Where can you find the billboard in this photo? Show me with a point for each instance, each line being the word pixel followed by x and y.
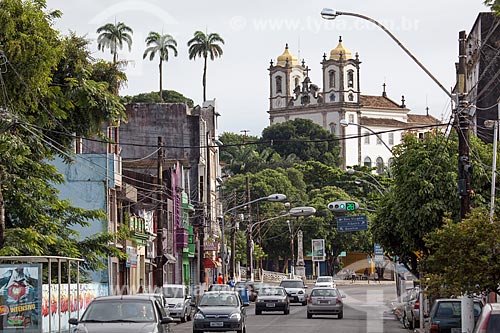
pixel 20 298
pixel 318 250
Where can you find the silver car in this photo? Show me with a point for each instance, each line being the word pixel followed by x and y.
pixel 325 301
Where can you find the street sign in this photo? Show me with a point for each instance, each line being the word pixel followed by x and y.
pixel 378 252
pixel 352 223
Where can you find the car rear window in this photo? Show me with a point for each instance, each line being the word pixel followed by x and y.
pixel 324 293
pixel 292 284
pixel 494 324
pixel 324 279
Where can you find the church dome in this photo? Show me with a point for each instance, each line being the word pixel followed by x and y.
pixel 336 52
pixel 292 60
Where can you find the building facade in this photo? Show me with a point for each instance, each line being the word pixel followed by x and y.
pixel 367 126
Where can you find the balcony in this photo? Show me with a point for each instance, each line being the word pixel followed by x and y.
pixel 181 238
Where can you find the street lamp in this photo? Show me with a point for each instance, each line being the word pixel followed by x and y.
pixel 359 181
pixel 345 123
pixel 351 171
pixel 297 212
pixel 277 197
pixel 330 14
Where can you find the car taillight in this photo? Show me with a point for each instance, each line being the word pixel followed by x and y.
pixel 434 328
pixel 484 325
pixel 416 306
pixel 309 299
pixel 339 299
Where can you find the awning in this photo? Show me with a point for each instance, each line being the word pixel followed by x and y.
pixel 167 258
pixel 209 263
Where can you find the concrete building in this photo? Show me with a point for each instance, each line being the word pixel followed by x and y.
pixel 367 126
pixel 483 72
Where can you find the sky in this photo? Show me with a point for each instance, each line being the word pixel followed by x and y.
pixel 255 32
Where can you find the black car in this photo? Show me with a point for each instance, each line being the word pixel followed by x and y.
pixel 446 315
pixel 220 311
pixel 272 299
pixel 126 313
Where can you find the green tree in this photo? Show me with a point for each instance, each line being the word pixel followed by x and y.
pixel 43 87
pixel 113 36
pixel 160 44
pixel 304 139
pixel 494 5
pixel 168 96
pixel 464 256
pixel 205 45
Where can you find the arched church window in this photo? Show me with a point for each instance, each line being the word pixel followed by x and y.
pixel 332 97
pixel 350 78
pixel 368 162
pixel 380 165
pixel 331 78
pixel 333 128
pixel 296 81
pixel 351 118
pixel 278 85
pixel 350 97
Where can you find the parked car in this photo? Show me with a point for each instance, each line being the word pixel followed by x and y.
pixel 179 301
pixel 489 320
pixel 126 313
pixel 220 311
pixel 271 298
pixel 411 309
pixel 325 301
pixel 296 290
pixel 445 315
pixel 325 281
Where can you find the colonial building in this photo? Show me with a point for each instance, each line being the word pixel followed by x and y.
pixel 367 126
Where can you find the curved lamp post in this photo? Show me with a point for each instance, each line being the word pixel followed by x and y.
pixel 351 171
pixel 359 181
pixel 330 14
pixel 277 197
pixel 297 212
pixel 345 123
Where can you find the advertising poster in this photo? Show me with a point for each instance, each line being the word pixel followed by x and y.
pixel 20 298
pixel 318 249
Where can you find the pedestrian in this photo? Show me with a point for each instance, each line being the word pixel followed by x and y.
pixel 220 279
pixel 231 282
pixel 353 276
pixel 366 274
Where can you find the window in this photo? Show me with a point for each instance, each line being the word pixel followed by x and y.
pixel 350 97
pixel 332 97
pixel 331 78
pixel 278 85
pixel 391 138
pixel 350 78
pixel 351 118
pixel 367 137
pixel 380 165
pixel 379 139
pixel 333 128
pixel 368 162
pixel 421 136
pixel 297 81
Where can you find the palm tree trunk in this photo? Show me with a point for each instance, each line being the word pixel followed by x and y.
pixel 161 84
pixel 2 219
pixel 205 80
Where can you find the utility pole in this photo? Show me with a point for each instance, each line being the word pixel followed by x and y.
pixel 249 233
pixel 233 241
pixel 159 218
pixel 462 122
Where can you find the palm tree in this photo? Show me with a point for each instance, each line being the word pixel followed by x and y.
pixel 203 45
pixel 112 36
pixel 161 44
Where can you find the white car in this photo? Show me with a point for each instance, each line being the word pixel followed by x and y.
pixel 325 281
pixel 296 290
pixel 179 301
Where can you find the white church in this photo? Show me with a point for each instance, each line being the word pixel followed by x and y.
pixel 369 125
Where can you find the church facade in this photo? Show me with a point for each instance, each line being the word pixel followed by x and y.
pixel 367 126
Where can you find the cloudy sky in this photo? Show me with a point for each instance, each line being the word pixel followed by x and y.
pixel 256 32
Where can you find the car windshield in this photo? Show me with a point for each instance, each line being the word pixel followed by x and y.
pixel 494 323
pixel 119 311
pixel 324 293
pixel 324 279
pixel 173 292
pixel 219 300
pixel 292 284
pixel 272 292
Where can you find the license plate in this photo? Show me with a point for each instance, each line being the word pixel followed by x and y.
pixel 324 302
pixel 270 305
pixel 216 324
pixel 456 330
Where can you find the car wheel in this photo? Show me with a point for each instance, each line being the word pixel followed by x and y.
pixel 304 303
pixel 309 315
pixel 258 312
pixel 244 330
pixel 341 314
pixel 195 331
pixel 287 311
pixel 184 317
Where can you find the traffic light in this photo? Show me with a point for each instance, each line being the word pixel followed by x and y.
pixel 343 206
